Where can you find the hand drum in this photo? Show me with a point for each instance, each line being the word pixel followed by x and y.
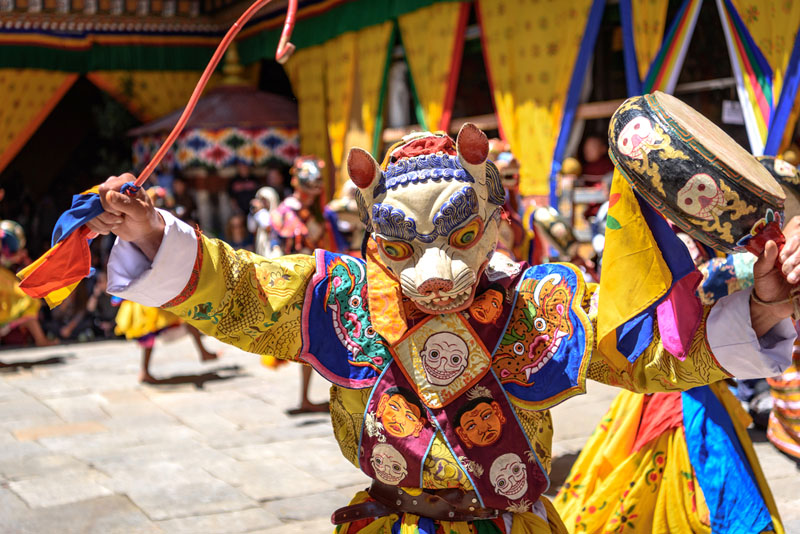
pixel 694 174
pixel 788 177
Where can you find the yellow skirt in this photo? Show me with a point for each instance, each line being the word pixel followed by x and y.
pixel 135 321
pixel 15 305
pixel 611 488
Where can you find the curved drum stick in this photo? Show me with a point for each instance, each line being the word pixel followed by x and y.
pixel 285 49
pixel 282 54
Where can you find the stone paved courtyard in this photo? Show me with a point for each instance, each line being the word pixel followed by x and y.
pixel 85 448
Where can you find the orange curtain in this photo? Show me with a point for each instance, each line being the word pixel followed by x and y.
pixel 306 71
pixel 149 94
pixel 338 88
pixel 773 25
pixel 433 38
pixel 372 47
pixel 28 96
pixel 340 81
pixel 649 19
pixel 530 77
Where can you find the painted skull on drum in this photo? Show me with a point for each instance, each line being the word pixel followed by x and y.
pixel 389 465
pixel 636 138
pixel 508 475
pixel 434 213
pixel 784 168
pixel 444 357
pixel 701 197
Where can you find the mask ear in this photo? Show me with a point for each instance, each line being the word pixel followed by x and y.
pixel 472 144
pixel 362 168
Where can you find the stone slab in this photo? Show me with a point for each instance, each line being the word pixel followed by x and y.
pixel 39 465
pixel 78 408
pixel 65 429
pixel 307 507
pixel 267 480
pixel 60 488
pixel 113 514
pixel 230 522
pixel 167 490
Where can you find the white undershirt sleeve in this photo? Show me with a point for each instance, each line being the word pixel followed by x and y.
pixel 132 276
pixel 735 345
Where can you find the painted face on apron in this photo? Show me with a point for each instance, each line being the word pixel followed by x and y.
pixel 400 413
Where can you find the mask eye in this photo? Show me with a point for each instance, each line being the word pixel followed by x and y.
pixel 468 235
pixel 539 324
pixel 396 250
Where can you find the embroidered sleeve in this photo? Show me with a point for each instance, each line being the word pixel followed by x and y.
pixel 658 370
pixel 245 300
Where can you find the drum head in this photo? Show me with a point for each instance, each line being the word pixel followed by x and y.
pixel 720 144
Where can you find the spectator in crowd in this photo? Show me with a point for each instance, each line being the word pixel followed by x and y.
pixel 100 309
pixel 301 228
pixel 185 206
pixel 18 311
pixel 236 233
pixel 276 179
pixel 596 162
pixel 242 188
pixel 259 222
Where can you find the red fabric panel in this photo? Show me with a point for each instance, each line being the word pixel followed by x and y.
pixel 661 412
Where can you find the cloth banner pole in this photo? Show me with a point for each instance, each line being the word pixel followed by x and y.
pixel 573 95
pixel 632 81
pixel 753 77
pixel 781 117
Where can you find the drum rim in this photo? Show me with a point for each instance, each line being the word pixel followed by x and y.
pixel 653 103
pixel 783 181
pixel 650 105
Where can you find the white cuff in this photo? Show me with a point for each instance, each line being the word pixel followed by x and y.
pixel 735 345
pixel 132 276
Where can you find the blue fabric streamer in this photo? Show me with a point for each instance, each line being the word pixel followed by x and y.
pixel 85 207
pixel 333 219
pixel 129 188
pixel 635 336
pixel 632 81
pixel 730 489
pixel 780 117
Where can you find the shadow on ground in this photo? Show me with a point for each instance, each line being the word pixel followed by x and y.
pixel 559 471
pixel 200 380
pixel 13 367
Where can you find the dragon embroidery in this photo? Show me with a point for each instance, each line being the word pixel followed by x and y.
pixel 536 330
pixel 347 299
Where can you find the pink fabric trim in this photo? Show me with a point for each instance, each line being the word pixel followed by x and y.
pixel 680 315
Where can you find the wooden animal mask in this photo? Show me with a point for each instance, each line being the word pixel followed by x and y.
pixel 434 212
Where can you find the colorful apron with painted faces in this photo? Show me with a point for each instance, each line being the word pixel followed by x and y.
pixel 440 377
